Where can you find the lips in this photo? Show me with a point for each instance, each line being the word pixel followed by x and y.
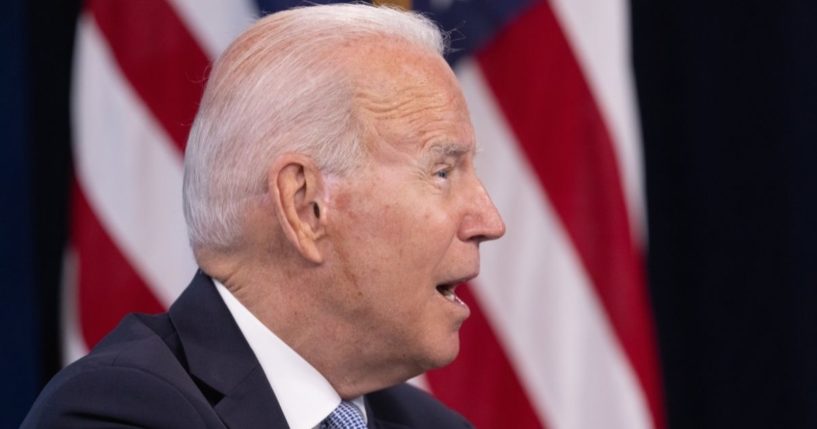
pixel 448 289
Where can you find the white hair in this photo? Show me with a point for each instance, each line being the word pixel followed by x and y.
pixel 278 89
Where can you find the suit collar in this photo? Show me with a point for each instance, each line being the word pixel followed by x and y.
pixel 377 423
pixel 218 356
pixel 383 424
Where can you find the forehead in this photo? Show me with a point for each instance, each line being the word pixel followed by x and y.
pixel 410 99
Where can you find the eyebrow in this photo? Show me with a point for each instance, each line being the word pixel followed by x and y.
pixel 448 149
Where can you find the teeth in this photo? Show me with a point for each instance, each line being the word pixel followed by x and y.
pixel 448 293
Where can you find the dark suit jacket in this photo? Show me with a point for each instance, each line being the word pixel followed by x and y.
pixel 192 368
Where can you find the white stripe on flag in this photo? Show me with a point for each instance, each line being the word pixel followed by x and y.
pixel 73 346
pixel 215 23
pixel 538 297
pixel 128 169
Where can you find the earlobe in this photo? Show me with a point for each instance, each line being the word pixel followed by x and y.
pixel 296 188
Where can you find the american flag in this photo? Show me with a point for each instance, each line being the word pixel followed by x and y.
pixel 561 333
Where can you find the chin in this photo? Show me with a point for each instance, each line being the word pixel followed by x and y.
pixel 442 355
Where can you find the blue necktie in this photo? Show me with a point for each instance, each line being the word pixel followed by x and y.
pixel 345 416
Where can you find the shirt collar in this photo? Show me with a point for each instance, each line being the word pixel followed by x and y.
pixel 305 396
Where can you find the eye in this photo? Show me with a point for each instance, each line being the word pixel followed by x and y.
pixel 443 173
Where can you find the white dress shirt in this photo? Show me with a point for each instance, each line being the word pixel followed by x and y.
pixel 305 396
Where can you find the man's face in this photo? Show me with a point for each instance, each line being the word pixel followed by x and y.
pixel 406 224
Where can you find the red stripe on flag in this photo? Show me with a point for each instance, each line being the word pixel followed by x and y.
pixel 162 61
pixel 542 92
pixel 109 288
pixel 481 383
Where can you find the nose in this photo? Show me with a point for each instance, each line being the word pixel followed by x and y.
pixel 482 221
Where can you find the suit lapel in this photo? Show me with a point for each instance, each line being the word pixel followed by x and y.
pixel 382 424
pixel 218 356
pixel 375 422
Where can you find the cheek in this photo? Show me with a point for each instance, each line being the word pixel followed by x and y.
pixel 393 240
pixel 415 236
pixel 396 224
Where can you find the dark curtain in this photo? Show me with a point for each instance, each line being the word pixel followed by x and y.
pixel 728 98
pixel 19 316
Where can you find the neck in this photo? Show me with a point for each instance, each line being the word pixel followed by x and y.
pixel 292 302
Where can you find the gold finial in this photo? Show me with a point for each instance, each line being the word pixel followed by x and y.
pixel 405 4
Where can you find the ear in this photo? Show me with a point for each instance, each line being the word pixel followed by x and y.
pixel 296 188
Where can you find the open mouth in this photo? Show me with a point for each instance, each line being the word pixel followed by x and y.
pixel 447 291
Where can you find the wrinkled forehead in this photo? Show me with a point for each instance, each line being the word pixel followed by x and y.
pixel 406 96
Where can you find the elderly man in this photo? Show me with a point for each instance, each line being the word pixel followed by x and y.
pixel 333 208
